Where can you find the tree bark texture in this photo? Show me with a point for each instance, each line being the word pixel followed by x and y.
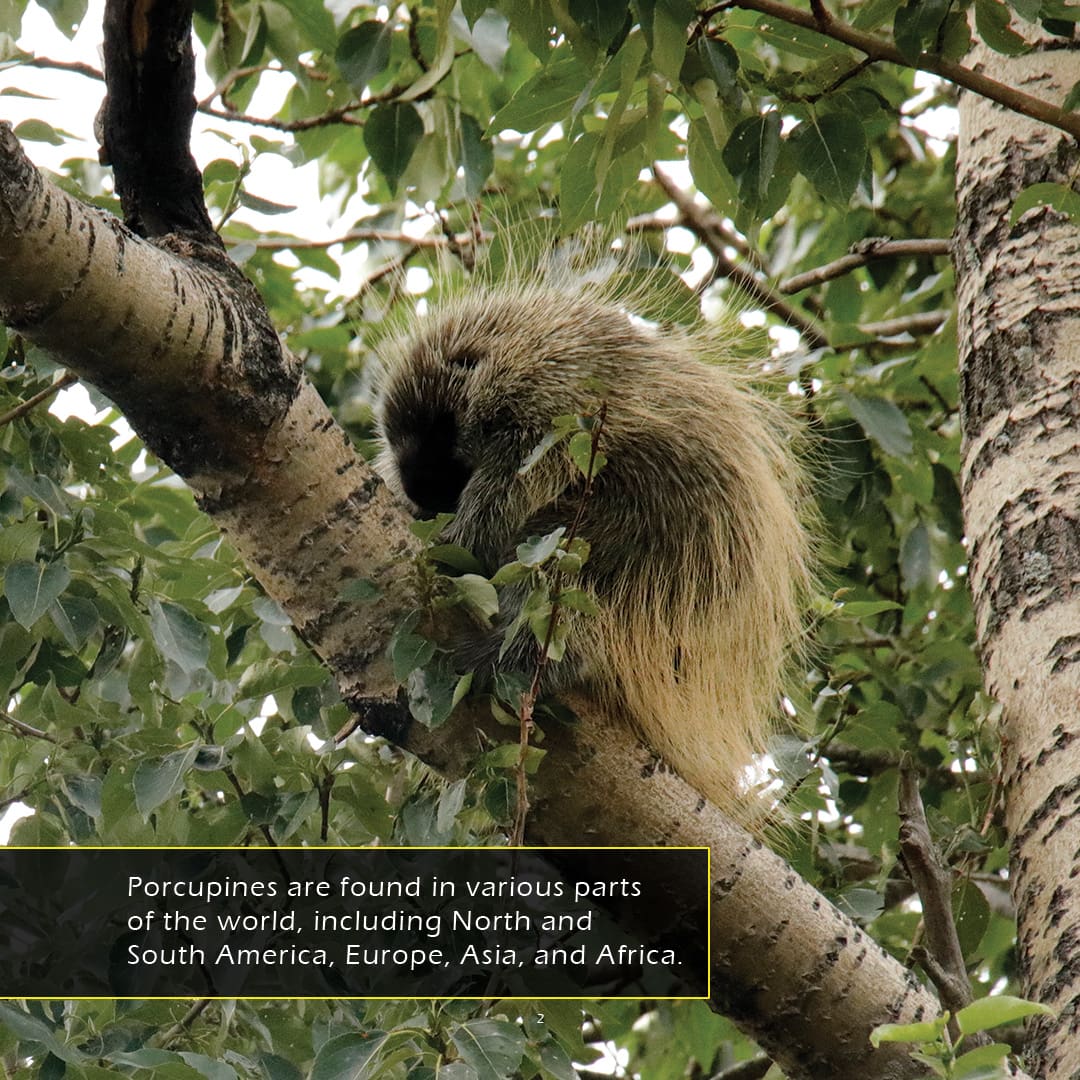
pixel 179 341
pixel 1019 320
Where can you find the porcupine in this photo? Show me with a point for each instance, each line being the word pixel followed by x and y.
pixel 700 560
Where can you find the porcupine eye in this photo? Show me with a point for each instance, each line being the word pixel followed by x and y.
pixel 432 469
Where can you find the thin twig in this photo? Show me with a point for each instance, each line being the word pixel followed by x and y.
pixel 355 236
pixel 231 79
pixel 302 123
pixel 31 403
pixel 942 959
pixel 17 797
pixel 395 265
pixel 920 322
pixel 162 1040
pixel 860 255
pixel 73 66
pixel 26 729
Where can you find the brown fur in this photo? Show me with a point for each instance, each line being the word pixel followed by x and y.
pixel 699 557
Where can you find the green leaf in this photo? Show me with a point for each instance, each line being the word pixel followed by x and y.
pixel 671 22
pixel 31 587
pixel 179 635
pixel 915 565
pixel 159 1062
pixel 861 609
pixel 882 421
pixel 314 19
pixel 510 573
pixel 39 131
pixel 76 618
pixel 359 590
pixel 577 205
pixel 477 594
pixel 1060 196
pixel 830 151
pixel 956 39
pixel 982 1063
pixel 429 528
pixel 538 549
pixel 274 674
pixel 752 157
pixel 581 453
pixel 348 1057
pixel 30 1029
pixel 364 52
pixel 392 134
pixel 85 793
pixel 578 600
pixel 11 15
pixel 707 167
pixel 221 171
pixel 924 1032
pixel 493 1048
pixel 992 23
pixel 264 206
pixel 67 15
pixel 556 1062
pixel 208 1067
pixel 548 96
pixel 20 542
pixel 536 612
pixel 603 19
pixel 155 782
pixel 473 10
pixel 456 557
pixel 999 1009
pixel 916 26
pixel 709 58
pixel 409 651
pixel 477 157
pixel 971 914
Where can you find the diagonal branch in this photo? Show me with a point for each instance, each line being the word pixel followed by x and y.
pixel 822 21
pixel 274 471
pixel 702 223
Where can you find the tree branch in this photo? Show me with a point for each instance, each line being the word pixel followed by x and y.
pixel 861 254
pixel 943 961
pixel 356 236
pixel 919 322
pixel 704 225
pixel 26 729
pixel 823 22
pixel 31 403
pixel 166 1037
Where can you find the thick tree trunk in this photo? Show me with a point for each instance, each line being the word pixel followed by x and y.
pixel 1019 315
pixel 175 338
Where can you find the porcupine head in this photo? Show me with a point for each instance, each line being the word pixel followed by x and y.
pixel 699 559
